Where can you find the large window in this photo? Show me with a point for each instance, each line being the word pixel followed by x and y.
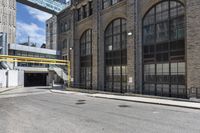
pixel 90 8
pixel 164 50
pixel 86 60
pixel 107 3
pixel 85 11
pixel 116 56
pixel 65 44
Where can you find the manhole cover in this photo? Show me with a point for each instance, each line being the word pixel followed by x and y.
pixel 124 106
pixel 80 103
pixel 81 100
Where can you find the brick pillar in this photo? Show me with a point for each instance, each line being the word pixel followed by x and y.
pixel 101 63
pixel 76 64
pixel 130 46
pixel 94 45
pixel 193 45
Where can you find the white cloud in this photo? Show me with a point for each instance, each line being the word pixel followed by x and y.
pixel 35 33
pixel 37 14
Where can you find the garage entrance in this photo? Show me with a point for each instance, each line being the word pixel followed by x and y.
pixel 35 79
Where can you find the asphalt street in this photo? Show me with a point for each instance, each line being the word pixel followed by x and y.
pixel 37 110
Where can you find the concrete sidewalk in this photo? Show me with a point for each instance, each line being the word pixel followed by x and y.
pixel 166 102
pixel 2 90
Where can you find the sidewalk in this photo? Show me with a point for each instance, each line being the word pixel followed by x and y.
pixel 141 99
pixel 2 90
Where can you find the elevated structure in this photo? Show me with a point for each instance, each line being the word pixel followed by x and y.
pixel 22 59
pixel 50 6
pixel 37 60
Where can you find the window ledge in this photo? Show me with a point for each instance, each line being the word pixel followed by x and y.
pixel 85 19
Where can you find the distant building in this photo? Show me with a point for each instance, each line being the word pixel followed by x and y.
pixel 65 32
pixel 8 19
pixel 51 33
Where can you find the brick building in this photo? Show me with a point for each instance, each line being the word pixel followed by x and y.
pixel 140 46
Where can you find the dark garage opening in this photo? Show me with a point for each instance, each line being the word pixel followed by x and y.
pixel 35 79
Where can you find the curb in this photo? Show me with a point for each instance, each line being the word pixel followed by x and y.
pixel 132 95
pixel 95 95
pixel 7 90
pixel 68 92
pixel 158 103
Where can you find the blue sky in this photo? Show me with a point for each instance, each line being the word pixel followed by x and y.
pixel 31 22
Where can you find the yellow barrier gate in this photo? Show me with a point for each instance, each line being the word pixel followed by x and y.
pixel 22 59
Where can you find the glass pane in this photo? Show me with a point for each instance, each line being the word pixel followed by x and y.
pixel 162 32
pixel 159 88
pixel 152 89
pixel 174 90
pixel 174 68
pixel 181 68
pixel 116 42
pixel 149 34
pixel 166 89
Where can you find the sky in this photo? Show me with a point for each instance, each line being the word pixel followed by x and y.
pixel 31 22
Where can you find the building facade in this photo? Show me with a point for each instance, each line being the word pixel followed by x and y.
pixel 8 19
pixel 36 74
pixel 51 33
pixel 139 46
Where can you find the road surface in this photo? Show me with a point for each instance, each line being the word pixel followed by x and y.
pixel 37 110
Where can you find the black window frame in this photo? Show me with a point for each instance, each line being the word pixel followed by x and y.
pixel 86 60
pixel 115 56
pixel 164 51
pixel 79 14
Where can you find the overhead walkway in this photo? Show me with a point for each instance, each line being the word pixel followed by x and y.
pixel 49 6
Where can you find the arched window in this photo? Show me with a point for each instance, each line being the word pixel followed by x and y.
pixel 116 56
pixel 86 60
pixel 164 50
pixel 65 44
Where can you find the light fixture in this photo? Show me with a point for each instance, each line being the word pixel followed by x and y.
pixel 130 33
